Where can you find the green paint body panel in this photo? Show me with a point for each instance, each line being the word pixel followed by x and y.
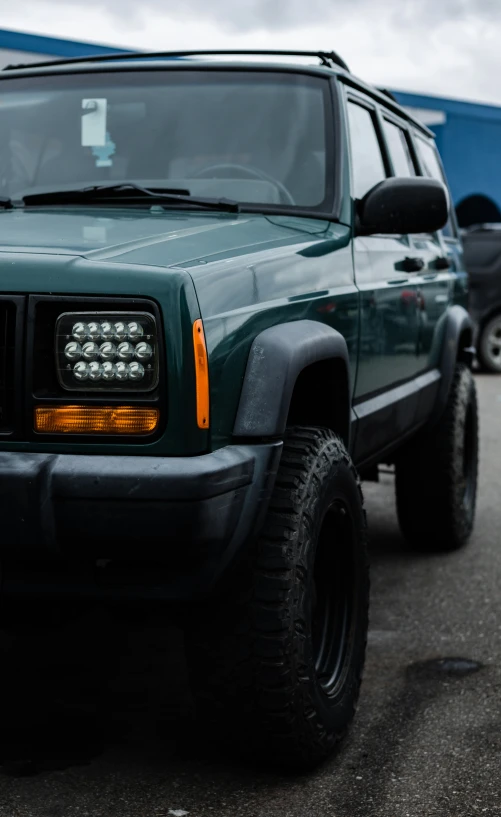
pixel 241 274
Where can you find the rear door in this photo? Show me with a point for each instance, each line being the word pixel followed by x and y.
pixel 426 251
pixel 442 253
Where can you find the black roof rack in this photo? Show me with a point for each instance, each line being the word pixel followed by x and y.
pixel 388 94
pixel 327 58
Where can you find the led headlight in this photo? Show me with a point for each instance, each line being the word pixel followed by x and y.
pixel 107 330
pixel 73 350
pixel 90 351
pixel 125 351
pixel 109 371
pixel 81 370
pixel 94 331
pixel 106 351
pixel 95 371
pixel 80 331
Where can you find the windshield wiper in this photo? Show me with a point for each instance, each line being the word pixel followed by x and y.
pixel 130 192
pixel 6 203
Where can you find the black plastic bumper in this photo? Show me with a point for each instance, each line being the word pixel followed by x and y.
pixel 192 515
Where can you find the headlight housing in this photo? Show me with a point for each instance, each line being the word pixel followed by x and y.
pixel 107 351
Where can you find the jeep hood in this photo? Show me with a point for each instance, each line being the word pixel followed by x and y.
pixel 162 238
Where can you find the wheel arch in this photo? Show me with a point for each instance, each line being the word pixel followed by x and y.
pixel 457 347
pixel 297 372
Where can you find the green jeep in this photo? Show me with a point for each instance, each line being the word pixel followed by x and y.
pixel 230 289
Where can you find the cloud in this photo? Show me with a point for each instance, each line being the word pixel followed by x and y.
pixel 248 15
pixel 446 47
pixel 280 15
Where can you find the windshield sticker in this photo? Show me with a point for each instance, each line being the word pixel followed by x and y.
pixel 94 122
pixel 103 154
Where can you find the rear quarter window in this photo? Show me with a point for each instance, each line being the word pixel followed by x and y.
pixel 431 167
pixel 399 150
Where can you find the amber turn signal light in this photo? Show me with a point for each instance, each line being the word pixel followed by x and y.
pixel 201 374
pixel 95 420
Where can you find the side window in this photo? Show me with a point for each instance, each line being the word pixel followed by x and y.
pixel 431 167
pixel 367 161
pixel 398 147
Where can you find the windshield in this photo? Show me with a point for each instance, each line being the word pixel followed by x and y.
pixel 255 137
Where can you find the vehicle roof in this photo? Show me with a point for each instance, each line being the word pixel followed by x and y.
pixel 177 60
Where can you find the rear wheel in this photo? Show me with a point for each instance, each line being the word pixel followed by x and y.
pixel 489 345
pixel 436 474
pixel 276 666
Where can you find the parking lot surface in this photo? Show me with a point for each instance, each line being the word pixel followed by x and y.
pixel 96 718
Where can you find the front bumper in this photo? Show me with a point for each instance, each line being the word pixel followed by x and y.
pixel 192 516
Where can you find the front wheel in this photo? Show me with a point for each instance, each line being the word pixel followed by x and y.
pixel 436 474
pixel 276 667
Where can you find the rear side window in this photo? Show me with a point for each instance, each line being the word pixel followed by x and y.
pixel 432 168
pixel 398 147
pixel 367 160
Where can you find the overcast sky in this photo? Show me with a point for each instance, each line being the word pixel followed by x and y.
pixel 449 47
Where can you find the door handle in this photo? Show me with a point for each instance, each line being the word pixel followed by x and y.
pixel 430 276
pixel 399 281
pixel 442 262
pixel 410 265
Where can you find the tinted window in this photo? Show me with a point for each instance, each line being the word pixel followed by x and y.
pixel 255 137
pixel 431 167
pixel 367 161
pixel 398 147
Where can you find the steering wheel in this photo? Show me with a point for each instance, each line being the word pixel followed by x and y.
pixel 252 172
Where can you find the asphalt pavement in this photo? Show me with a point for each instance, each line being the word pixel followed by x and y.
pixel 96 717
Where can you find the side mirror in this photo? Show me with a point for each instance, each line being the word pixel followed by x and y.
pixel 403 205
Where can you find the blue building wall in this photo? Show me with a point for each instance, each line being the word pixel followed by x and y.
pixel 469 140
pixel 18 41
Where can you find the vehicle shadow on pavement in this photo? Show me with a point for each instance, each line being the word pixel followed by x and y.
pixel 386 542
pixel 72 691
pixel 75 687
pixel 107 690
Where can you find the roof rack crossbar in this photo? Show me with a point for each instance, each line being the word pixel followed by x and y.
pixel 327 58
pixel 388 93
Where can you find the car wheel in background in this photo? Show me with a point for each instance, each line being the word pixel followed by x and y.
pixel 489 346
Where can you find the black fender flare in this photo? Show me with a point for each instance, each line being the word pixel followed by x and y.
pixel 458 324
pixel 277 356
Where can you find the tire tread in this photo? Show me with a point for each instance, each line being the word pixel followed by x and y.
pixel 269 665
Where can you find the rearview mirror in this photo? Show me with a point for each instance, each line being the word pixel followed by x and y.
pixel 403 205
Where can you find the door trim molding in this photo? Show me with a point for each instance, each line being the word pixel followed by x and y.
pixel 384 420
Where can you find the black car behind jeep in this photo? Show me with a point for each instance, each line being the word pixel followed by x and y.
pixel 482 253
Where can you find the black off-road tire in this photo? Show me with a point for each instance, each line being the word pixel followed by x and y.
pixel 276 666
pixel 436 474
